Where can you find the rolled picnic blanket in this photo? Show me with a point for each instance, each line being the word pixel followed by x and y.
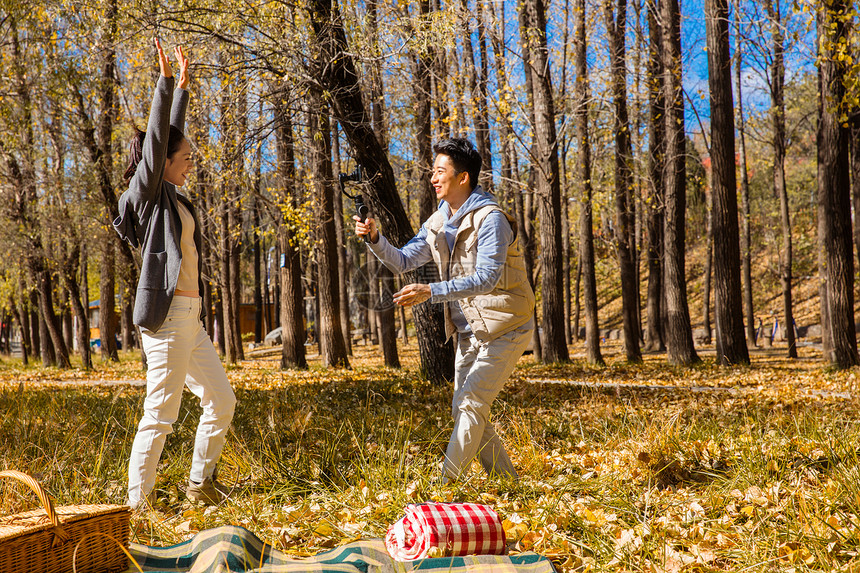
pixel 455 528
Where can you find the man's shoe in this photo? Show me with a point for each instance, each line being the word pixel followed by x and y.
pixel 210 492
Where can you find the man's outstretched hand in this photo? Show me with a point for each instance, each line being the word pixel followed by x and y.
pixel 412 294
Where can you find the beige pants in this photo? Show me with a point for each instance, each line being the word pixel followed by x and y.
pixel 482 368
pixel 180 354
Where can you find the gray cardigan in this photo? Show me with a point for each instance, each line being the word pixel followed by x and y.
pixel 149 212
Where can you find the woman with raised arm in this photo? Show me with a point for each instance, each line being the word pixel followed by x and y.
pixel 161 221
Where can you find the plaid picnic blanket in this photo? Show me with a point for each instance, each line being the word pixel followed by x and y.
pixel 455 528
pixel 232 548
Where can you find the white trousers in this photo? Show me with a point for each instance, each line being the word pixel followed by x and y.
pixel 482 368
pixel 180 354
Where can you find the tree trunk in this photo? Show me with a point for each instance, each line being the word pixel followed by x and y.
pixel 426 194
pixel 524 204
pixel 107 301
pixel 637 193
pixel 746 242
pixel 37 325
pixel 834 203
pixel 70 282
pixel 656 165
pixel 291 299
pixel 616 20
pixel 338 75
pixel 510 183
pixel 586 224
pixel 548 185
pixel 49 358
pixel 332 345
pixel 679 334
pixel 234 216
pixel 731 340
pixel 476 79
pixel 229 223
pixel 709 261
pixel 385 315
pixel 18 315
pixel 404 331
pixel 577 305
pixel 202 197
pixel 778 117
pixel 23 313
pixel 46 305
pixel 526 231
pixel 855 179
pixel 126 312
pixel 228 313
pixel 46 347
pixel 421 93
pixel 258 256
pixel 566 266
pixel 439 81
pixel 372 267
pixel 293 332
pixel 377 95
pixel 235 290
pixel 66 320
pixel 258 277
pixel 342 260
pixel 565 185
pixel 312 271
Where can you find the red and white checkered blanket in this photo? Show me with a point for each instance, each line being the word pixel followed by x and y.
pixel 455 528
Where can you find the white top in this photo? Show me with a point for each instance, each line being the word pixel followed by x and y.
pixel 188 270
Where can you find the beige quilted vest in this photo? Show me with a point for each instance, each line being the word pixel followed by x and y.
pixel 511 303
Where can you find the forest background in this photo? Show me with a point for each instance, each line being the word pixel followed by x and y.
pixel 595 121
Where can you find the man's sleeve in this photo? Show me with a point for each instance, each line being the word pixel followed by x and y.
pixel 413 254
pixel 494 237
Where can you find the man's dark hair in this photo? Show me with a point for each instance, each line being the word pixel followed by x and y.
pixel 463 156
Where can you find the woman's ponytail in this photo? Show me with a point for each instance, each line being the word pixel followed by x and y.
pixel 135 154
pixel 135 149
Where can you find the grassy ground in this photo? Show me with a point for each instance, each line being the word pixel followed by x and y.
pixel 633 468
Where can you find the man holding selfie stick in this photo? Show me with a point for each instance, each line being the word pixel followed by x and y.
pixel 489 303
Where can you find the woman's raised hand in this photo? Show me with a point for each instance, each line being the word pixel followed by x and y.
pixel 163 62
pixel 182 60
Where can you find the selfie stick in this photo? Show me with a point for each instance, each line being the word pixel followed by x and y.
pixel 360 206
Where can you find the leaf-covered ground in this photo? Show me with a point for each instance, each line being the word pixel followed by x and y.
pixel 623 468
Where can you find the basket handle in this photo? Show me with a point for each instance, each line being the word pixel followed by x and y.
pixel 60 535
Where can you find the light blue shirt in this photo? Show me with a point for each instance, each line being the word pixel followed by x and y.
pixel 494 237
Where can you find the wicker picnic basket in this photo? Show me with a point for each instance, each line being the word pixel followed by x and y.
pixel 81 538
